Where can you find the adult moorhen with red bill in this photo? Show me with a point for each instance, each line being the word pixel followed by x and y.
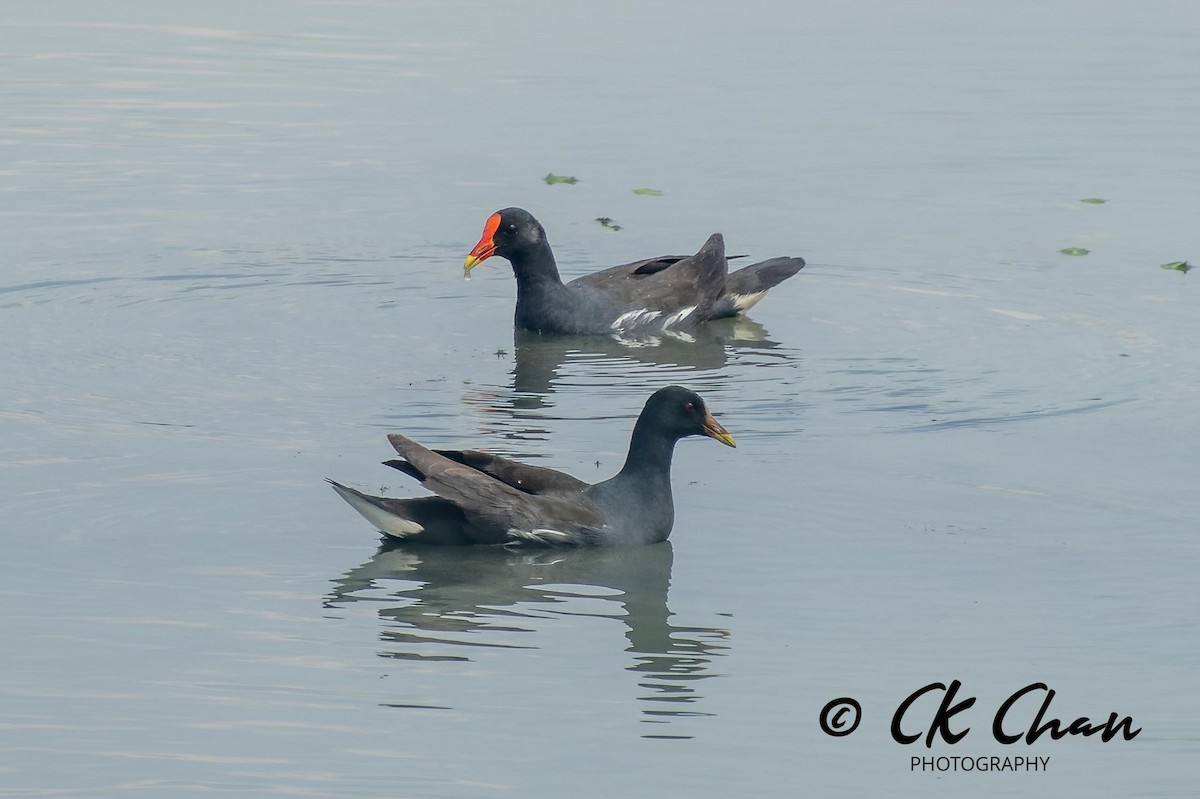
pixel 671 292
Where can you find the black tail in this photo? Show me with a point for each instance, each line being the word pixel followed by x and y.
pixel 747 285
pixel 762 275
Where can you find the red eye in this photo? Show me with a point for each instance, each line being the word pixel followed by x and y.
pixel 689 407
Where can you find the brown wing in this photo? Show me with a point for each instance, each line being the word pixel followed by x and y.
pixel 668 283
pixel 521 476
pixel 493 501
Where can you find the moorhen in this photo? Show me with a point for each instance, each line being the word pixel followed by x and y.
pixel 671 292
pixel 486 499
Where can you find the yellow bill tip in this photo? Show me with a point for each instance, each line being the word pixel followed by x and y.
pixel 713 429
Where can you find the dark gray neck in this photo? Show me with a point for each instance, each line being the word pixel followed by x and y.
pixel 540 290
pixel 637 500
pixel 650 452
pixel 534 267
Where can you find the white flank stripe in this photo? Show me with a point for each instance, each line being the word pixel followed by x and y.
pixel 678 317
pixel 637 318
pixel 542 535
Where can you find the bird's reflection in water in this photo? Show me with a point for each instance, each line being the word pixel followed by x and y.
pixel 440 603
pixel 544 364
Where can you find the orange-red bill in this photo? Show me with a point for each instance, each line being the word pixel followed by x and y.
pixel 486 248
pixel 713 429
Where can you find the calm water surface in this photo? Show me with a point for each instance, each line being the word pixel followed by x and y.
pixel 233 236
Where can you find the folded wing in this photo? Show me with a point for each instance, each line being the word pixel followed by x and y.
pixel 491 502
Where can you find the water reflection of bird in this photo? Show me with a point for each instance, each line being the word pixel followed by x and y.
pixel 543 364
pixel 455 604
pixel 538 359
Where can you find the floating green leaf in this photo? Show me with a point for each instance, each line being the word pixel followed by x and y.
pixel 648 192
pixel 1074 251
pixel 552 178
pixel 1093 200
pixel 1181 266
pixel 608 223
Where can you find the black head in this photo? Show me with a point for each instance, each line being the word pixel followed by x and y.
pixel 681 412
pixel 508 233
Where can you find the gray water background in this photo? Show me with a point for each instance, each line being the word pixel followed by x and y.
pixel 232 237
